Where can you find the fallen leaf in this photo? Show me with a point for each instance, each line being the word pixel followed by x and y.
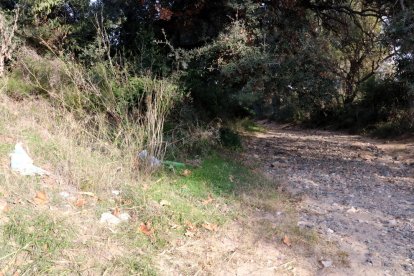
pixel 164 203
pixel 124 201
pixel 80 202
pixel 145 228
pixel 231 178
pixel 116 211
pixel 186 173
pixel 210 226
pixel 286 240
pixel 40 198
pixel 4 207
pixel 189 233
pixel 208 200
pixel 191 230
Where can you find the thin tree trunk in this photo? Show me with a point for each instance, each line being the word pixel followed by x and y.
pixel 2 66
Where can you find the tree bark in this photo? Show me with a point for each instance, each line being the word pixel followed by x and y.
pixel 2 62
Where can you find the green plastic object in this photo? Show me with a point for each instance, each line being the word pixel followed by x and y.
pixel 174 164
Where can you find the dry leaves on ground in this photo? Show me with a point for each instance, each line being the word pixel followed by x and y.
pixel 116 211
pixel 146 229
pixel 4 207
pixel 286 240
pixel 40 198
pixel 186 173
pixel 210 226
pixel 191 230
pixel 208 200
pixel 80 202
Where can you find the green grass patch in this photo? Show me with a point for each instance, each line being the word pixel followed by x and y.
pixel 41 236
pixel 251 126
pixel 174 201
pixel 6 148
pixel 217 175
pixel 137 265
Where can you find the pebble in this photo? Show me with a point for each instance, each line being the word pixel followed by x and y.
pixel 392 222
pixel 351 210
pixel 64 195
pixel 326 263
pixel 330 231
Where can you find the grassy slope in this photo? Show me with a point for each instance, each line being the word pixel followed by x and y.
pixel 64 236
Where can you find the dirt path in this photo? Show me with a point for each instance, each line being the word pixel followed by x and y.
pixel 355 191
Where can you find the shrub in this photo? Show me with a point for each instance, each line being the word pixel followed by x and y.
pixel 114 106
pixel 230 138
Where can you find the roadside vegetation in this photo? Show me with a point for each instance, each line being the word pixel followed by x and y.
pixel 138 108
pixel 52 225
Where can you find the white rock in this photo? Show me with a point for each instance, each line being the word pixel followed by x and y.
pixel 124 217
pixel 393 222
pixel 351 210
pixel 326 263
pixel 65 195
pixel 22 163
pixel 107 217
pixel 165 203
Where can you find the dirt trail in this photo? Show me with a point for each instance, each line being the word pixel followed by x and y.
pixel 355 191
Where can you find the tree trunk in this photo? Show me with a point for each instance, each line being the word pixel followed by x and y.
pixel 2 62
pixel 349 90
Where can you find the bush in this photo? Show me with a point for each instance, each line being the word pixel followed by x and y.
pixel 230 138
pixel 114 106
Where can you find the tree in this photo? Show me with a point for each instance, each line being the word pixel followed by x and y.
pixel 7 41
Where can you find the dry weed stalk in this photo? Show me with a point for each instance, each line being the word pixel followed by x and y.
pixel 96 106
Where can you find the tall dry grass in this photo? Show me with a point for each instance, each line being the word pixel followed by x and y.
pixel 113 106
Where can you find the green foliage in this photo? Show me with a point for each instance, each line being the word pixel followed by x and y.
pixel 17 88
pixel 300 61
pixel 229 138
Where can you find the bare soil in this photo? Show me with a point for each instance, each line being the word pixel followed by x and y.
pixel 354 191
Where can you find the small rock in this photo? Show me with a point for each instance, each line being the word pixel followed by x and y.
pixel 164 203
pixel 351 210
pixel 109 218
pixel 392 222
pixel 305 224
pixel 326 263
pixel 64 195
pixel 330 231
pixel 124 216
